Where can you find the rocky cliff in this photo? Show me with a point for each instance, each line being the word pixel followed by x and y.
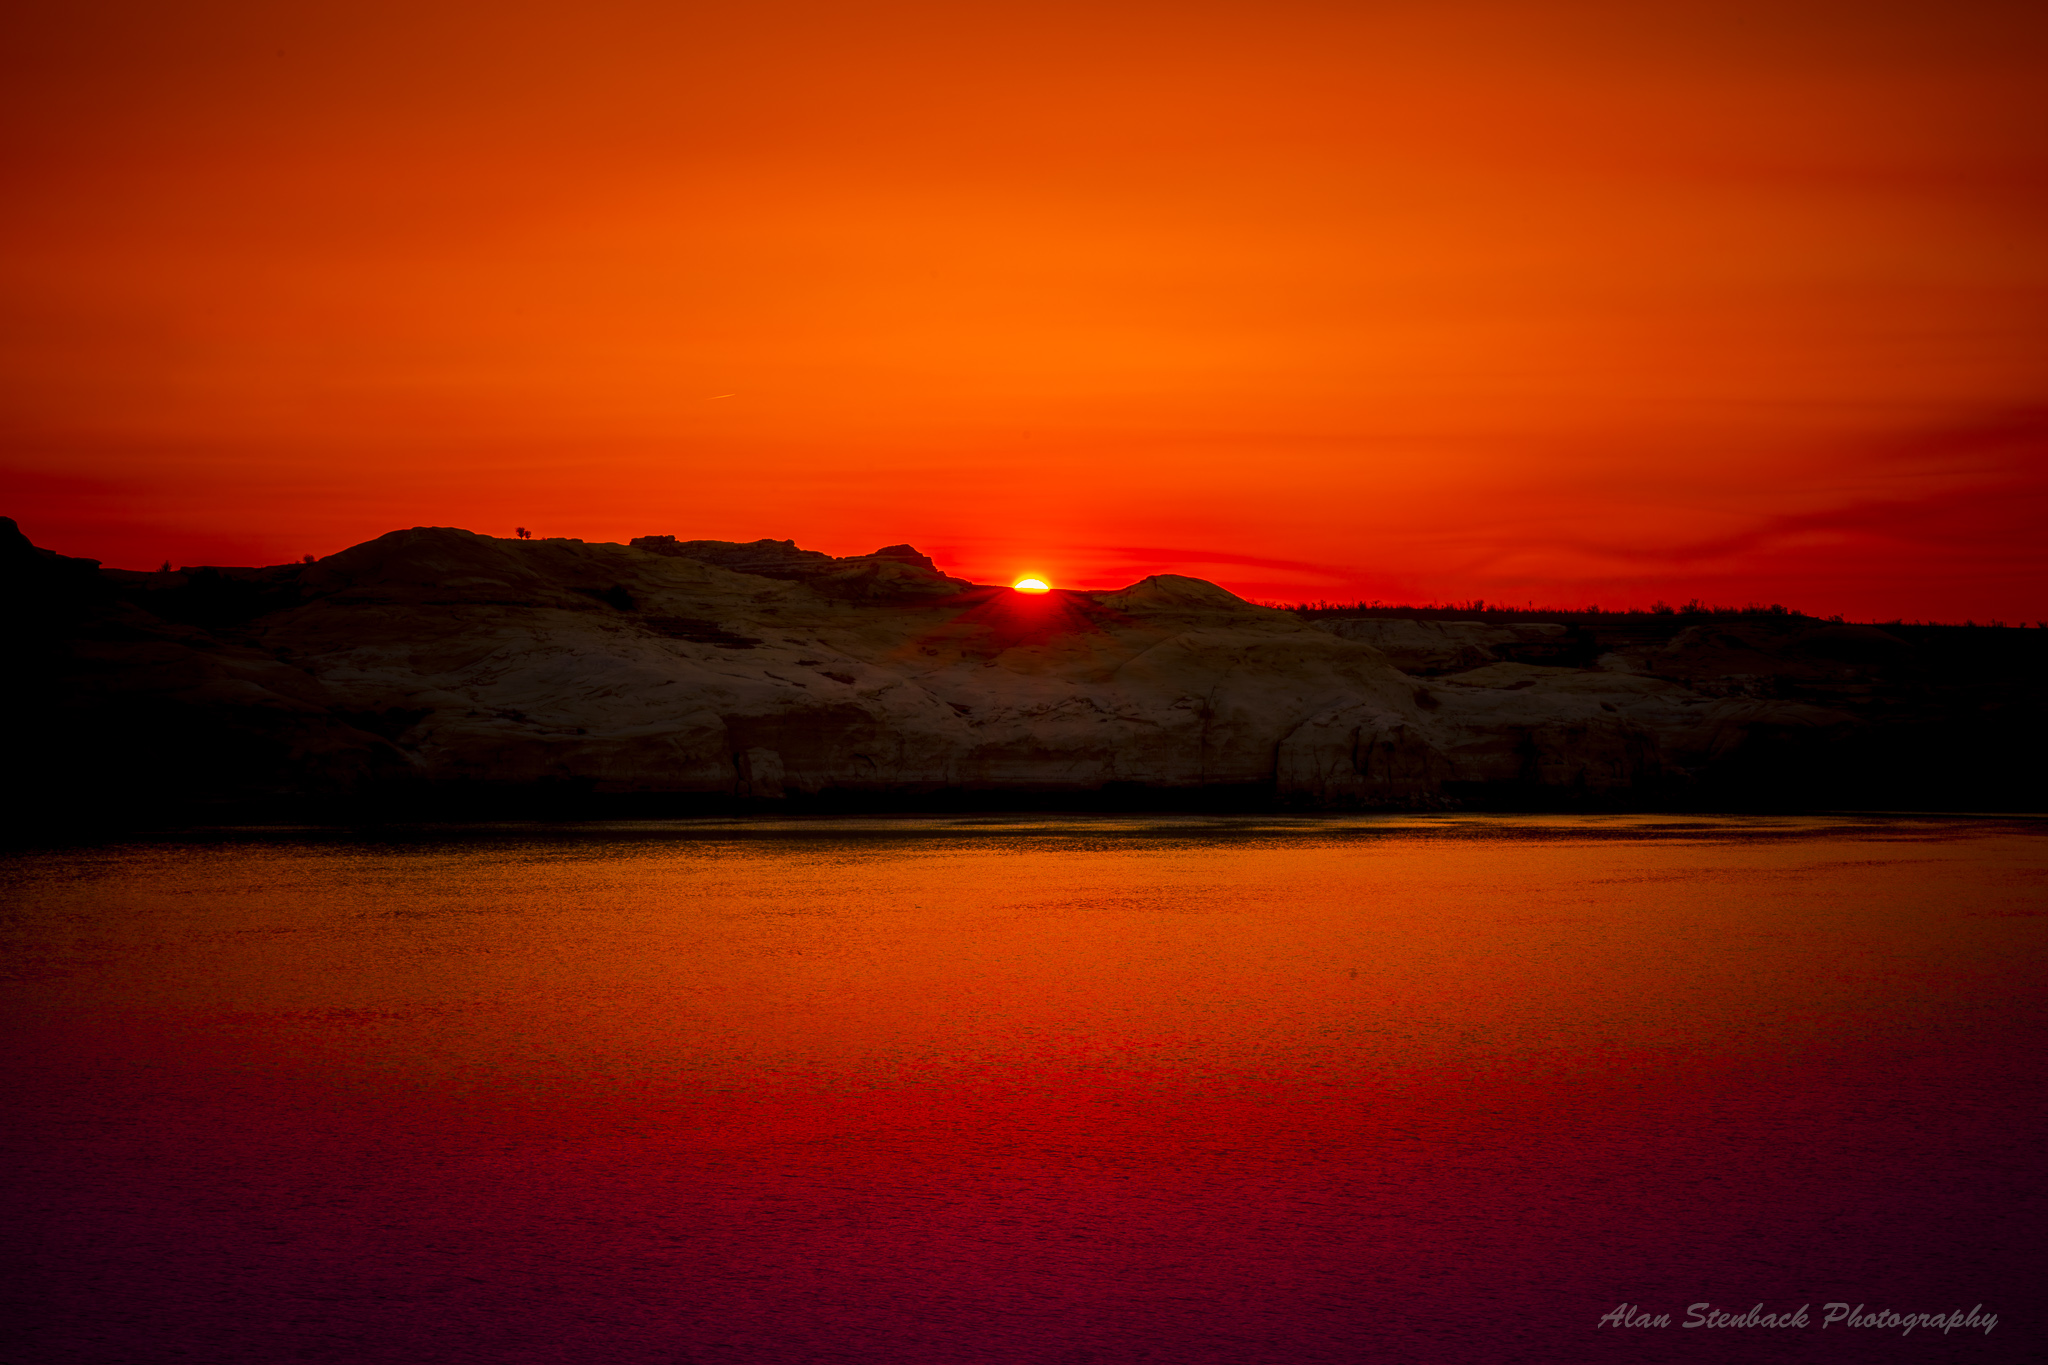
pixel 438 669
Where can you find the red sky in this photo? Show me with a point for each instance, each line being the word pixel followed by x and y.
pixel 1557 300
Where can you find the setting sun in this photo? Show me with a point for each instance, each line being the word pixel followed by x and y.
pixel 1032 585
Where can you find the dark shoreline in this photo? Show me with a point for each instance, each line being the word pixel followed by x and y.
pixel 509 813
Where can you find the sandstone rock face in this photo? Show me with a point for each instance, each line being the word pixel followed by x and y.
pixel 435 659
pixel 633 670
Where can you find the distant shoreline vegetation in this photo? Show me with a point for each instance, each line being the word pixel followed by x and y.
pixel 1692 612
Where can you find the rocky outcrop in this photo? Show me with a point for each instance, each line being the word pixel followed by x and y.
pixel 436 663
pixel 892 571
pixel 117 708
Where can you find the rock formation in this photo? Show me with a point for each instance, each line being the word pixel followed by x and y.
pixel 439 665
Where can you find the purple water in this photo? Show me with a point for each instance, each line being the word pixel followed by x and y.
pixel 1011 1090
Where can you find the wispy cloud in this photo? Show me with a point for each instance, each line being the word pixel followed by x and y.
pixel 1153 554
pixel 1995 469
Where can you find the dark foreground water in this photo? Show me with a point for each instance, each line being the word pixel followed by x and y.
pixel 1013 1090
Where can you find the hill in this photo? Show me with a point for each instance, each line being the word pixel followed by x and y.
pixel 436 671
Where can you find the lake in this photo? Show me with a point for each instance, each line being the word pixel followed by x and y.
pixel 1031 1089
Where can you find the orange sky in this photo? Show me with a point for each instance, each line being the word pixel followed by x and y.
pixel 1531 300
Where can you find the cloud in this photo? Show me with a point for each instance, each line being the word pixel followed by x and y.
pixel 1997 510
pixel 1150 554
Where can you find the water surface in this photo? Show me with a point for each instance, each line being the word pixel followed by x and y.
pixel 1029 1090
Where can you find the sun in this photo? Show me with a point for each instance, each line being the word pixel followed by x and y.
pixel 1031 585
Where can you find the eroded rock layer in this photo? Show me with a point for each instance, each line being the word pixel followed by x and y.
pixel 438 661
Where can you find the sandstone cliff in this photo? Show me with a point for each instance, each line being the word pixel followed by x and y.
pixel 436 661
